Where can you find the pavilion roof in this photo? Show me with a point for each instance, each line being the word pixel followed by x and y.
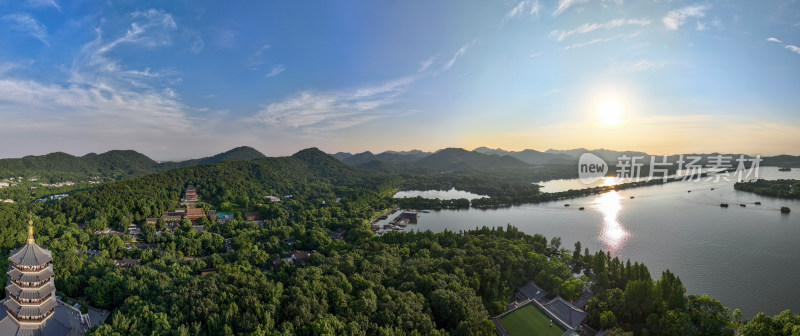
pixel 31 254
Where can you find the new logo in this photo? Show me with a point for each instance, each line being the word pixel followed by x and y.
pixel 591 168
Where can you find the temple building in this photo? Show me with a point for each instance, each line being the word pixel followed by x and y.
pixel 187 210
pixel 189 196
pixel 31 305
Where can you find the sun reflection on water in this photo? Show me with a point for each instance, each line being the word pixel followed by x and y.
pixel 610 181
pixel 613 234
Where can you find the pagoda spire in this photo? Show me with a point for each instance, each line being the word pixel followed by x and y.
pixel 31 240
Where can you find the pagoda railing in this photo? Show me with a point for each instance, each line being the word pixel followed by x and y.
pixel 26 284
pixel 30 268
pixel 34 301
pixel 25 319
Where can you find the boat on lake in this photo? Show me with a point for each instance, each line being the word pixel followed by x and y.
pixel 723 205
pixel 785 210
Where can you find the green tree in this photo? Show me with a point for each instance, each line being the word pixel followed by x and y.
pixel 607 320
pixel 737 316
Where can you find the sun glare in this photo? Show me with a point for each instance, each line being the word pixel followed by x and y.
pixel 610 112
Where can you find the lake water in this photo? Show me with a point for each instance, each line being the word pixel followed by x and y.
pixel 746 257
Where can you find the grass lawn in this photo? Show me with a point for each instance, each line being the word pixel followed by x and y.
pixel 529 320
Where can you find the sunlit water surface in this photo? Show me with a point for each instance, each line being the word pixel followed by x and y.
pixel 746 257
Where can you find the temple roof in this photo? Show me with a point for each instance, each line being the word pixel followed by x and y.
pixel 31 309
pixel 38 276
pixel 30 293
pixel 31 255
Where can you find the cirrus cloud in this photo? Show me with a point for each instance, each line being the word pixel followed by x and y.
pixel 678 17
pixel 27 24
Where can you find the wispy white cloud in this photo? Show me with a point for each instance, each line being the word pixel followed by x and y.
pixel 523 8
pixel 600 40
pixel 103 97
pixel 42 3
pixel 276 70
pixel 257 59
pixel 226 38
pixel 27 24
pixel 676 18
pixel 455 57
pixel 560 35
pixel 424 65
pixel 516 11
pixel 147 29
pixel 6 67
pixel 717 23
pixel 113 108
pixel 790 47
pixel 701 26
pixel 310 111
pixel 638 66
pixel 100 85
pixel 590 42
pixel 197 44
pixel 563 5
pixel 534 11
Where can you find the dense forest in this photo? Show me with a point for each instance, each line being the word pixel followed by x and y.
pixel 774 188
pixel 448 283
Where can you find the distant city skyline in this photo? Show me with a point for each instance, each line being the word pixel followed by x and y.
pixel 183 80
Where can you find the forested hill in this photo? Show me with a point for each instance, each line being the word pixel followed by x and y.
pixel 62 166
pixel 243 153
pixel 448 159
pixel 308 175
pixel 115 164
pixel 457 158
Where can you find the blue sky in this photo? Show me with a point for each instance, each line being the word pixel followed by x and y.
pixel 184 79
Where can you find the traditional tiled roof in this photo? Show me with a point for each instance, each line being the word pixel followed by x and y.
pixel 39 276
pixel 531 291
pixel 195 212
pixel 566 312
pixel 30 309
pixel 31 255
pixel 29 294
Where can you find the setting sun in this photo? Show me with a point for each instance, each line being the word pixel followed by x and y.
pixel 610 112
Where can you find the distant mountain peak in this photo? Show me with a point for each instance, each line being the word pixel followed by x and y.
pixel 310 152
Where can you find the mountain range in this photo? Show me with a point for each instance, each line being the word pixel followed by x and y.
pixel 455 158
pixel 119 164
pixel 116 164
